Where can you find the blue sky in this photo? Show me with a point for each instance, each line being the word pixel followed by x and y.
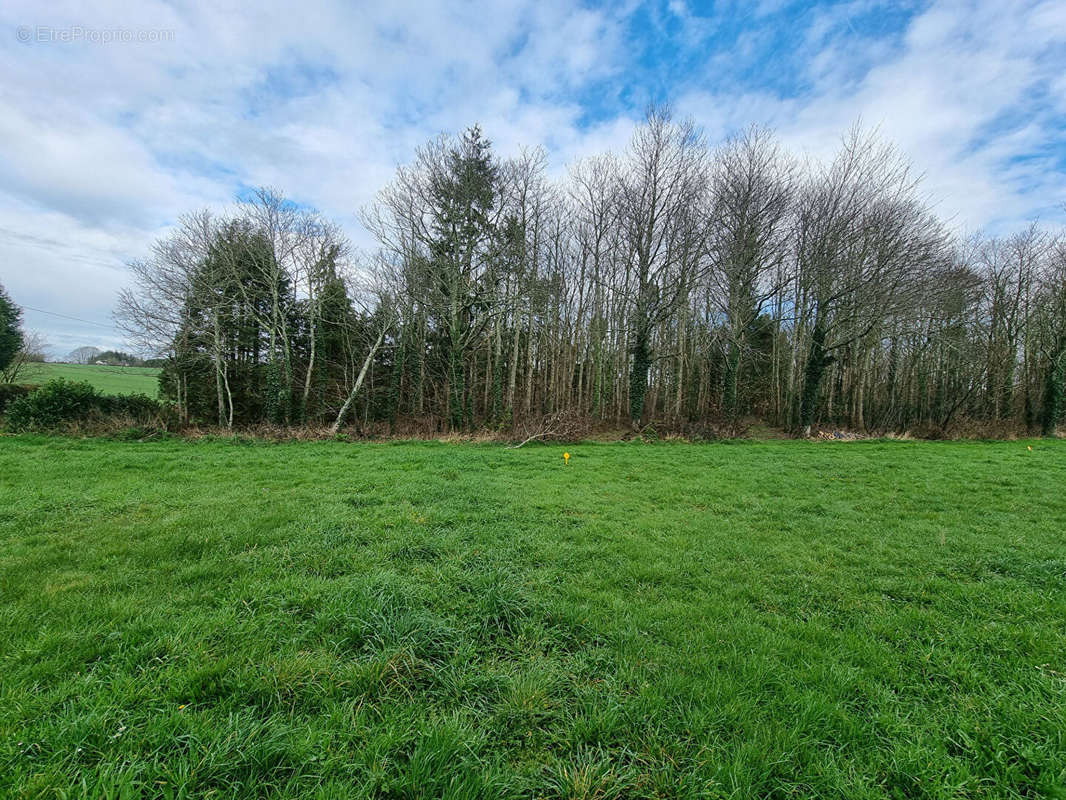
pixel 105 143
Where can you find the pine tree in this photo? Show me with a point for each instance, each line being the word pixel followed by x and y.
pixel 10 330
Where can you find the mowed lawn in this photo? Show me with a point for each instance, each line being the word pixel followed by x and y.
pixel 109 380
pixel 424 620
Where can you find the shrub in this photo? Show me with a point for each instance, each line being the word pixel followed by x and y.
pixel 715 430
pixel 9 392
pixel 147 415
pixel 140 407
pixel 57 402
pixel 62 404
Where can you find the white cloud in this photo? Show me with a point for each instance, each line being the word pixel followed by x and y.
pixel 961 97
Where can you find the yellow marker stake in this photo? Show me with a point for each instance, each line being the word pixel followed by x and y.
pixel 566 458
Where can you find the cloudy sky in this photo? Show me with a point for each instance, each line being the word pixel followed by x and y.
pixel 116 118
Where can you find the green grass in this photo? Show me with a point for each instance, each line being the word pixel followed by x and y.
pixel 109 380
pixel 420 620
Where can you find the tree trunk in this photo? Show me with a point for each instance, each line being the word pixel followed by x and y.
pixel 1054 382
pixel 817 361
pixel 358 383
pixel 638 377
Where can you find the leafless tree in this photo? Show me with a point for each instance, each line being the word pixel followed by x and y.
pixel 864 241
pixel 83 355
pixel 662 215
pixel 376 290
pixel 33 349
pixel 748 244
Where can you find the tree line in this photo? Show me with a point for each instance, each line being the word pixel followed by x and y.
pixel 678 284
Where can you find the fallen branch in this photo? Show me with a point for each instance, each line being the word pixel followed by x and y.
pixel 564 425
pixel 529 439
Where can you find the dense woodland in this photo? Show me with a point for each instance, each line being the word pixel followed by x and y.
pixel 681 285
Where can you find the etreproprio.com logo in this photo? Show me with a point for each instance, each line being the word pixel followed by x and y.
pixel 72 34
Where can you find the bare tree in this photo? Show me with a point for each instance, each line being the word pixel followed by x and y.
pixel 83 355
pixel 662 191
pixel 595 208
pixel 155 312
pixel 320 258
pixel 748 244
pixel 33 349
pixel 1051 335
pixel 376 292
pixel 863 243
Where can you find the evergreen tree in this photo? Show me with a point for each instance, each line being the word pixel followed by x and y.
pixel 464 194
pixel 10 330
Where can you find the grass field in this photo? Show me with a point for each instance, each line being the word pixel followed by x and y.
pixel 109 380
pixel 421 620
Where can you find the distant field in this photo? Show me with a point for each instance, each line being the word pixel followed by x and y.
pixel 109 380
pixel 419 620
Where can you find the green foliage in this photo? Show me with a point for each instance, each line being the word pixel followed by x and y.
pixel 274 394
pixel 463 196
pixel 638 377
pixel 458 277
pixel 243 619
pixel 10 330
pixel 1054 390
pixel 234 326
pixel 52 405
pixel 60 402
pixel 117 358
pixel 818 360
pixel 745 366
pixel 12 391
pixel 138 406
